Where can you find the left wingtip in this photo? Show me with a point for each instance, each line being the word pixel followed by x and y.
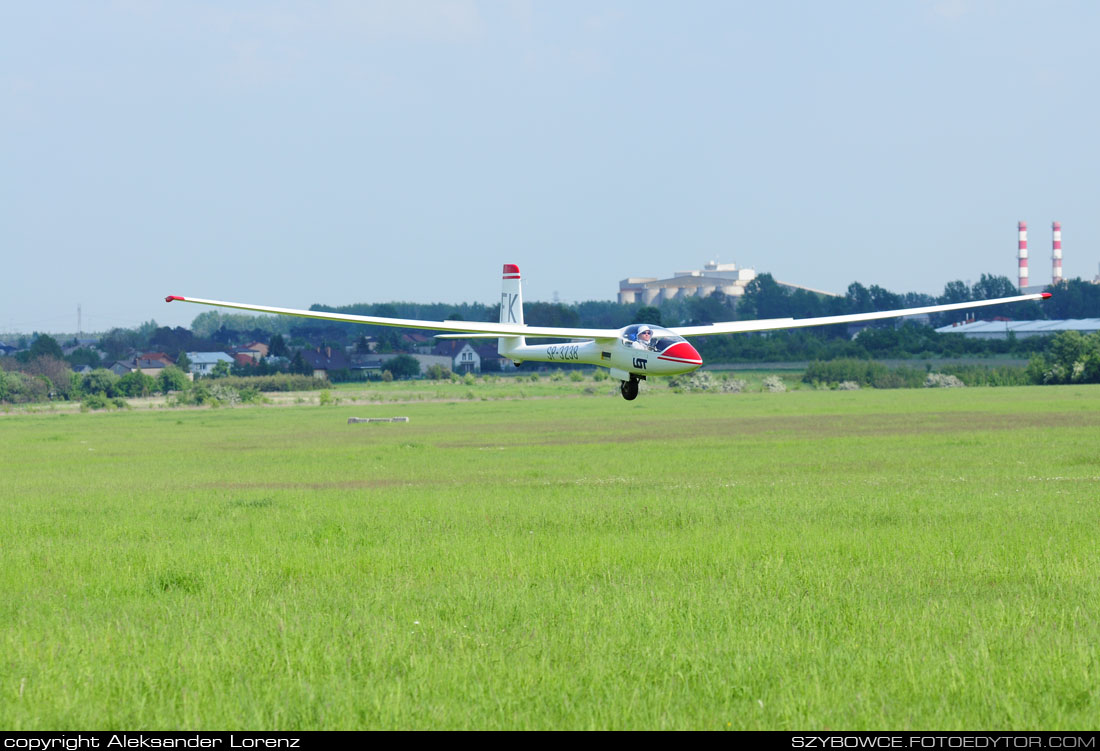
pixel 1046 295
pixel 170 298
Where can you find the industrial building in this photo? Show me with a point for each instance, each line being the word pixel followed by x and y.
pixel 726 278
pixel 1021 329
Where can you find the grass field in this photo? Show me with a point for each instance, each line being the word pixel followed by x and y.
pixel 921 559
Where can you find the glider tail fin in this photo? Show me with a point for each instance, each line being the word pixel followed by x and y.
pixel 511 308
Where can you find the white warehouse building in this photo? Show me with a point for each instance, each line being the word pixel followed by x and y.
pixel 1021 329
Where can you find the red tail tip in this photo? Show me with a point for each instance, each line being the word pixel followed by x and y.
pixel 1046 295
pixel 170 298
pixel 511 268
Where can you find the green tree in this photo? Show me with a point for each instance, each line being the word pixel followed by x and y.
pixel 45 346
pixel 99 381
pixel 277 347
pixel 403 366
pixel 135 383
pixel 763 298
pixel 84 356
pixel 172 379
pixel 438 373
pixel 220 370
pixel 299 366
pixel 647 314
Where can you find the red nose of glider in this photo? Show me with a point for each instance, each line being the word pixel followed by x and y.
pixel 682 353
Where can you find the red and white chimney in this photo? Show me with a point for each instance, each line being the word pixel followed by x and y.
pixel 1056 255
pixel 1022 254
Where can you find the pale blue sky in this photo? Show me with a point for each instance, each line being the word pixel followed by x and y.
pixel 290 153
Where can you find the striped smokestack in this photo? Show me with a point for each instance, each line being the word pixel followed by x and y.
pixel 1022 255
pixel 1056 255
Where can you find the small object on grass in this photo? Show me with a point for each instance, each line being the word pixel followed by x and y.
pixel 377 419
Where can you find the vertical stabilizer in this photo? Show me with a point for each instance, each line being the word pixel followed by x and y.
pixel 511 308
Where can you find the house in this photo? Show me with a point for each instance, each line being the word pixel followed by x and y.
pixel 122 367
pixel 202 363
pixel 151 363
pixel 321 361
pixel 466 358
pixel 491 359
pixel 249 354
pixel 259 347
pixel 420 342
pixel 463 357
pixel 244 358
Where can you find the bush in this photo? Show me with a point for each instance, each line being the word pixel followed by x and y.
pixel 19 388
pixel 576 376
pixel 403 366
pixel 99 381
pixel 172 379
pixel 135 384
pixel 774 384
pixel 438 373
pixel 99 401
pixel 942 380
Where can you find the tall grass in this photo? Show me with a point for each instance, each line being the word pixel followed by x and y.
pixel 905 559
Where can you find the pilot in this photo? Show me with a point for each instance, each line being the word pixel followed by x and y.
pixel 644 337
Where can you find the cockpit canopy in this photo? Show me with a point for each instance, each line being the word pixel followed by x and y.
pixel 659 339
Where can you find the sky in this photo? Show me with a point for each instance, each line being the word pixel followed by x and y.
pixel 339 151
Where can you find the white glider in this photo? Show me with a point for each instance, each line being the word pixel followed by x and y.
pixel 631 353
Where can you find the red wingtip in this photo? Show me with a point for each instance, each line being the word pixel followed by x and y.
pixel 170 298
pixel 511 268
pixel 1046 295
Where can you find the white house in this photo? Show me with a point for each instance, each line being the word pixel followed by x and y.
pixel 202 363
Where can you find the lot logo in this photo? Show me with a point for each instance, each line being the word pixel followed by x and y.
pixel 639 363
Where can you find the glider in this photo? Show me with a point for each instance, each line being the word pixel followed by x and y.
pixel 632 353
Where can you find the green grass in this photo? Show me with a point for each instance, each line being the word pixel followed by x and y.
pixel 846 560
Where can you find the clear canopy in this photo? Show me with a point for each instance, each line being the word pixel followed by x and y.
pixel 644 336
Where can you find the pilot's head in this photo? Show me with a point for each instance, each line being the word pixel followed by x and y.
pixel 644 333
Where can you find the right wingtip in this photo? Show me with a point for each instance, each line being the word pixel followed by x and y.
pixel 170 298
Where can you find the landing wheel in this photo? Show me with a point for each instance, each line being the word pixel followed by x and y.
pixel 629 389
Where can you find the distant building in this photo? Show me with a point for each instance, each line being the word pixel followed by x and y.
pixel 726 278
pixel 152 363
pixel 249 354
pixel 121 367
pixel 1021 329
pixel 465 357
pixel 202 363
pixel 323 360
